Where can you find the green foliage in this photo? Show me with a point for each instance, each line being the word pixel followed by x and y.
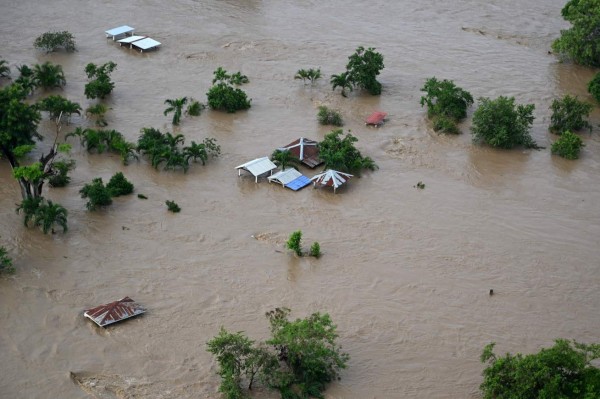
pixel 100 84
pixel 61 169
pixel 224 97
pixel 284 158
pixel 568 145
pixel 562 371
pixel 97 194
pixel 568 113
pixel 361 71
pixel 238 79
pixel 97 112
pixel 26 79
pixel 22 150
pixel 176 107
pixel 298 361
pixel 33 173
pixel 444 98
pixel 502 124
pixel 195 108
pixel 310 74
pixel 48 75
pixel 172 206
pixel 340 154
pixel 594 87
pixel 167 148
pixel 142 196
pixel 6 263
pixel 4 69
pixel 57 105
pixel 581 42
pixel 50 41
pixel 105 140
pixel 420 185
pixel 315 250
pixel 328 116
pixel 44 214
pixel 21 127
pixel 221 75
pixel 445 125
pixel 294 242
pixel 309 355
pixel 118 185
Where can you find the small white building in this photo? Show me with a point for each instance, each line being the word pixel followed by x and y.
pixel 257 167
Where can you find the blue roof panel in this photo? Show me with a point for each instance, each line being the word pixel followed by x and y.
pixel 298 183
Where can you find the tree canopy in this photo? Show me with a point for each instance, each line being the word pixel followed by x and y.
pixel 339 153
pixel 581 42
pixel 568 113
pixel 100 84
pixel 50 41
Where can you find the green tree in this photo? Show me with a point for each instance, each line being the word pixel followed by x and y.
pixel 309 355
pixel 49 75
pixel 26 79
pixel 238 79
pixel 568 145
pixel 195 108
pixel 60 177
pixel 119 185
pixel 581 42
pixel 202 151
pixel 99 85
pixel 446 104
pixel 58 106
pixel 4 69
pixel 50 41
pixel 284 158
pixel 327 116
pixel 502 124
pixel 172 206
pixel 294 242
pixel 97 112
pixel 6 263
pixel 594 87
pixel 96 193
pixel 562 371
pixel 315 250
pixel 339 153
pixel 310 74
pixel 568 113
pixel 344 81
pixel 49 214
pixel 363 67
pixel 176 107
pixel 224 97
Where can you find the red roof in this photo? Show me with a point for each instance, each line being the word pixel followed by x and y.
pixel 113 312
pixel 376 118
pixel 305 150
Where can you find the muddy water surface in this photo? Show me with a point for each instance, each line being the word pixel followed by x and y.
pixel 405 272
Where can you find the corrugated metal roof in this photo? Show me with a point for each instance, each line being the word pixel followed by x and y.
pixel 146 44
pixel 113 312
pixel 121 30
pixel 305 150
pixel 331 178
pixel 130 39
pixel 298 183
pixel 258 166
pixel 376 118
pixel 285 176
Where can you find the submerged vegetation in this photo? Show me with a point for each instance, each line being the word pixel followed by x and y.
pixel 172 206
pixel 581 42
pixel 328 116
pixel 223 96
pixel 568 145
pixel 6 263
pixel 100 85
pixel 594 87
pixel 361 72
pixel 51 41
pixel 97 194
pixel 339 153
pixel 446 104
pixel 311 74
pixel 568 113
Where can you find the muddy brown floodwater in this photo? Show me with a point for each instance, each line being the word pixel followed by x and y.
pixel 405 272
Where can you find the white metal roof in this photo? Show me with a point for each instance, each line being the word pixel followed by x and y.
pixel 130 39
pixel 121 30
pixel 285 176
pixel 146 43
pixel 331 178
pixel 258 166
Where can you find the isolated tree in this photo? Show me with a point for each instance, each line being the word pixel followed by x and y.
pixel 594 87
pixel 51 41
pixel 568 113
pixel 310 74
pixel 57 106
pixel 503 124
pixel 284 158
pixel 565 370
pixel 176 107
pixel 119 185
pixel 339 153
pixel 49 214
pixel 363 67
pixel 99 85
pixel 49 75
pixel 581 42
pixel 4 69
pixel 96 193
pixel 327 116
pixel 224 97
pixel 294 242
pixel 568 145
pixel 446 103
pixel 343 81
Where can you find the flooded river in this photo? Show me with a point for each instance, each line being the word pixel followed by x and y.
pixel 405 272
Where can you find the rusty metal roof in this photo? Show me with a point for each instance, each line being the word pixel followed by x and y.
pixel 376 118
pixel 113 312
pixel 306 150
pixel 331 178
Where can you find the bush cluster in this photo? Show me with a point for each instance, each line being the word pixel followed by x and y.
pixel 99 195
pixel 100 84
pixel 568 113
pixel 339 153
pixel 43 213
pixel 446 104
pixel 294 243
pixel 50 41
pixel 328 116
pixel 105 140
pixel 223 96
pixel 568 145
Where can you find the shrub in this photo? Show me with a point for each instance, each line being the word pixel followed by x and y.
pixel 48 75
pixel 562 371
pixel 568 145
pixel 56 105
pixel 119 185
pixel 142 196
pixel 97 194
pixel 42 213
pixel 502 124
pixel 445 99
pixel 50 41
pixel 445 124
pixel 294 242
pixel 568 113
pixel 238 79
pixel 224 97
pixel 97 112
pixel 315 250
pixel 61 170
pixel 6 263
pixel 581 42
pixel 4 69
pixel 100 84
pixel 195 108
pixel 340 154
pixel 594 87
pixel 311 74
pixel 172 206
pixel 328 116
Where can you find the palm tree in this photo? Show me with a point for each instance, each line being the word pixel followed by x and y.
pixel 26 79
pixel 29 207
pixel 4 69
pixel 48 214
pixel 49 75
pixel 175 106
pixel 172 141
pixel 283 158
pixel 302 74
pixel 195 151
pixel 342 80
